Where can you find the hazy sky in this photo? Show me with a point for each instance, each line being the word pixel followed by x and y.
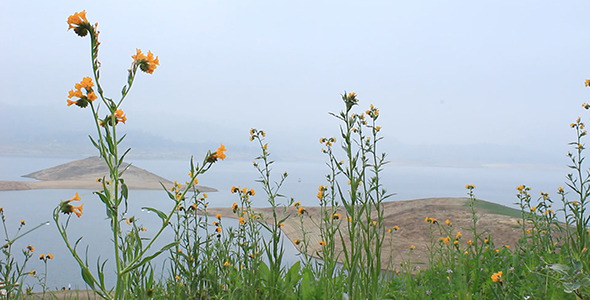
pixel 445 74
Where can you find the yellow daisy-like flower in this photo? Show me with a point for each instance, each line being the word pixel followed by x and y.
pixel 146 63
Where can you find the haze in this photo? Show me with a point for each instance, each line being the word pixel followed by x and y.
pixel 457 82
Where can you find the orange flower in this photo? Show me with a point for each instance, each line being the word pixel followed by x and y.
pixel 301 210
pixel 241 220
pixel 79 23
pixel 219 154
pixel 322 243
pixel 66 208
pixel 336 216
pixel 83 100
pixel 146 63
pixel 120 115
pixel 497 277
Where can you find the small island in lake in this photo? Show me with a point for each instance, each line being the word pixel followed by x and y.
pixel 83 174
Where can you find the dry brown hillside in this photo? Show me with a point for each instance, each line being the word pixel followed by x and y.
pixel 500 221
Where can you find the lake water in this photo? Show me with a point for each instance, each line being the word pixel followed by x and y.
pixel 408 182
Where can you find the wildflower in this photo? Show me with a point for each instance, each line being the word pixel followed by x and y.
pixel 82 100
pixel 22 222
pixel 497 277
pixel 470 242
pixel 373 112
pixel 445 240
pixel 377 128
pixel 458 235
pixel 560 190
pixel 120 115
pixel 218 216
pixel 301 210
pixel 350 100
pixel 336 216
pixel 412 247
pixel 296 241
pixel 31 248
pixel 219 154
pixel 234 207
pixel 251 192
pixel 470 186
pixel 79 23
pixel 396 228
pixel 587 82
pixel 449 223
pixel 218 229
pixel 296 203
pixel 66 208
pixel 32 273
pixel 389 230
pixel 234 189
pixel 281 224
pixel 586 105
pixel 177 277
pixel 322 243
pixel 241 220
pixel 129 220
pixel 533 208
pixel 146 63
pixel 430 220
pixel 226 263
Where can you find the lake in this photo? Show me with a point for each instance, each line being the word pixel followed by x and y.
pixel 495 184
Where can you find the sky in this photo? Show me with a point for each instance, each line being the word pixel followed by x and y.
pixel 473 82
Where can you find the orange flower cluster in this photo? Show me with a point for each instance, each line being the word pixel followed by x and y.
pixel 82 100
pixel 79 23
pixel 118 116
pixel 219 154
pixel 66 208
pixel 146 63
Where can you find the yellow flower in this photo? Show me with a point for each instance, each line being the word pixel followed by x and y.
pixel 218 216
pixel 458 235
pixel 226 263
pixel 297 204
pixel 470 186
pixel 396 228
pixel 336 216
pixel 234 207
pixel 32 273
pixel 31 248
pixel 412 247
pixel 251 192
pixel 296 241
pixel 449 223
pixel 22 222
pixel 587 82
pixel 322 243
pixel 241 220
pixel 146 63
pixel 586 105
pixel 497 277
pixel 50 256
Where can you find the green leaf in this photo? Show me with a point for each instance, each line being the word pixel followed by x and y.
pixel 559 268
pixel 160 214
pixel 87 276
pixel 570 287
